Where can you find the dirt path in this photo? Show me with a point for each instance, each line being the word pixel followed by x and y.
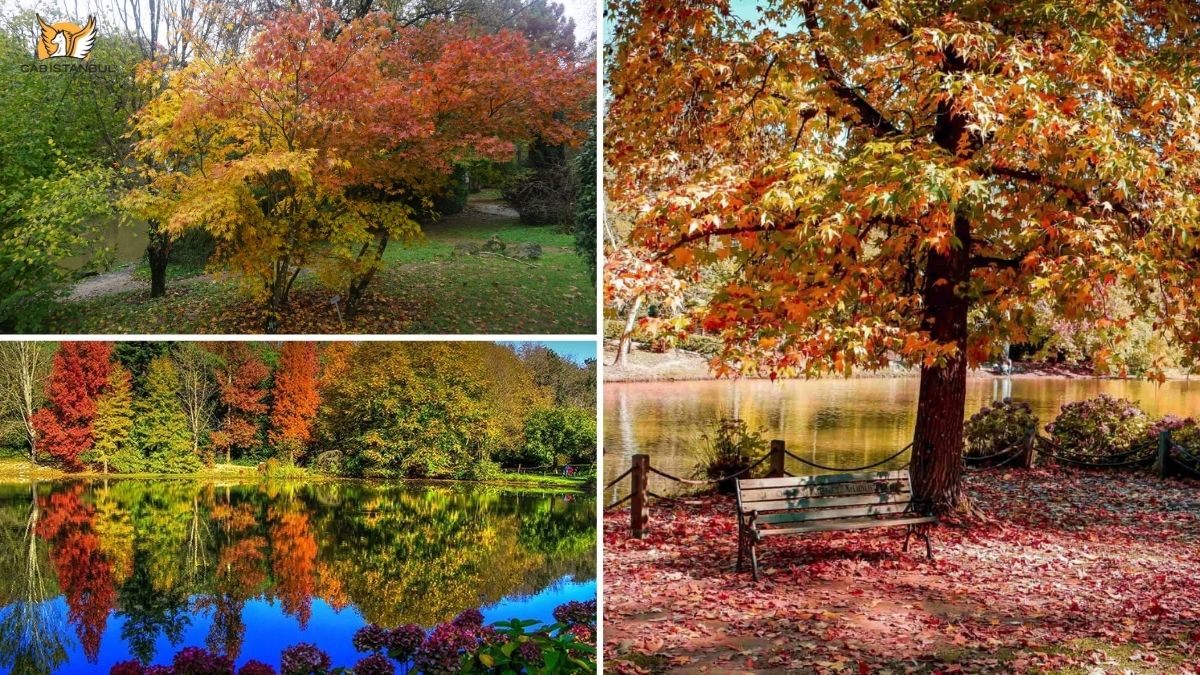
pixel 117 281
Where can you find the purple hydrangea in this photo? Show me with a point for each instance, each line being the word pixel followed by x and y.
pixel 404 641
pixel 582 633
pixel 375 664
pixel 575 612
pixel 126 668
pixel 471 619
pixel 199 661
pixel 253 667
pixel 370 638
pixel 304 659
pixel 531 652
pixel 158 670
pixel 442 651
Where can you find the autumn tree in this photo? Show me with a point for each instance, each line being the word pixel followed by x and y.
pixel 295 398
pixel 113 420
pixel 242 391
pixel 160 429
pixel 78 376
pixel 911 180
pixel 322 144
pixel 24 367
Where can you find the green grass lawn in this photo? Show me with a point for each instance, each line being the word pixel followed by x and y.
pixel 426 287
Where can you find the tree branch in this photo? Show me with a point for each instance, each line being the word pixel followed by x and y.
pixel 867 112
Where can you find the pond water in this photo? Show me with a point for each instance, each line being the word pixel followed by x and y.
pixel 93 573
pixel 835 422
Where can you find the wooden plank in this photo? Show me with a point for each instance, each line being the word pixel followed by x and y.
pixel 850 512
pixel 828 502
pixel 800 481
pixel 836 525
pixel 822 491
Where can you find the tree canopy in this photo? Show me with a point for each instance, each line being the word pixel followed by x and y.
pixel 912 181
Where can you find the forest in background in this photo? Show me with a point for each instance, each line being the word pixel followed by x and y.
pixel 461 410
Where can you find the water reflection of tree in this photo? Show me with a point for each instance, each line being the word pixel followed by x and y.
pixel 157 552
pixel 83 573
pixel 31 630
pixel 150 611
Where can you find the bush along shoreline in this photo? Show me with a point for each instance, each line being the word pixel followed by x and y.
pixel 463 645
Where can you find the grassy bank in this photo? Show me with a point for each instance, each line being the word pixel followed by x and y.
pixel 426 287
pixel 15 470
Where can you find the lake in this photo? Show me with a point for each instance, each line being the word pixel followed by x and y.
pixel 101 571
pixel 835 422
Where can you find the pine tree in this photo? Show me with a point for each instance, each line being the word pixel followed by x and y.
pixel 160 427
pixel 113 420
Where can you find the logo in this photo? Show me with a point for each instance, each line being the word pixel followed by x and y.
pixel 64 39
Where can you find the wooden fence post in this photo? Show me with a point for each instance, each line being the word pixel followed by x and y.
pixel 1030 452
pixel 776 463
pixel 639 512
pixel 1164 447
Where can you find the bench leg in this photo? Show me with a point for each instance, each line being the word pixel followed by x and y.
pixel 754 557
pixel 928 545
pixel 741 546
pixel 908 530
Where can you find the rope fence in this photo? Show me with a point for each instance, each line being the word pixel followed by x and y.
pixel 1168 459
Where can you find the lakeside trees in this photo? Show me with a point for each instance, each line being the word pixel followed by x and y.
pixel 376 409
pixel 903 180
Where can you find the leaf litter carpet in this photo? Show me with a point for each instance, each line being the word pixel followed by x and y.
pixel 1069 572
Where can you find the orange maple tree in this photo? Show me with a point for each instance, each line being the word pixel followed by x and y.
pixel 296 397
pixel 326 141
pixel 910 180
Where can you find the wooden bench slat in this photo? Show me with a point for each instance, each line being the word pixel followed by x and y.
pixel 800 481
pixel 825 502
pixel 830 514
pixel 829 526
pixel 749 497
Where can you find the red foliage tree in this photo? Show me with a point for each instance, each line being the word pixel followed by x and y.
pixel 293 562
pixel 84 574
pixel 243 393
pixel 296 396
pixel 79 375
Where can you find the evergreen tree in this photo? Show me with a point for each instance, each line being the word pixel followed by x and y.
pixel 113 420
pixel 160 428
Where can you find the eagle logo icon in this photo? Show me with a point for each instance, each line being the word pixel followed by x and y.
pixel 64 39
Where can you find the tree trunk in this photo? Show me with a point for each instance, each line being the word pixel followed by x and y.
pixel 359 284
pixel 627 335
pixel 158 251
pixel 278 296
pixel 938 437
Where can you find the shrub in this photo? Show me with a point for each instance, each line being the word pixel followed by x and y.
pixel 253 667
pixel 1099 427
pixel 550 432
pixel 544 193
pixel 370 638
pixel 482 469
pixel 729 449
pixel 197 661
pixel 547 649
pixel 304 659
pixel 404 641
pixel 576 613
pixel 999 426
pixel 375 664
pixel 442 652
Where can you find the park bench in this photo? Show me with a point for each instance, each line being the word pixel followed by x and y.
pixel 769 507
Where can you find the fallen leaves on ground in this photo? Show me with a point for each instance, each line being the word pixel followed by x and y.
pixel 1071 572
